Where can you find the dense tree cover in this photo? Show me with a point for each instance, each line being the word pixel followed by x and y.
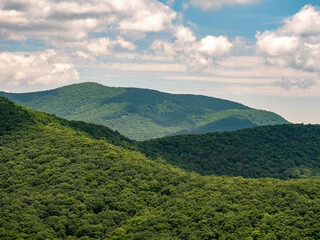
pixel 12 116
pixel 101 133
pixel 58 182
pixel 280 151
pixel 144 114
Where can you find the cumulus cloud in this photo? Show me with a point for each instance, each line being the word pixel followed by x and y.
pixel 295 44
pixel 99 46
pixel 71 27
pixel 105 46
pixel 184 34
pixel 271 44
pixel 74 20
pixel 196 54
pixel 306 21
pixel 151 17
pixel 36 68
pixel 124 44
pixel 215 46
pixel 217 4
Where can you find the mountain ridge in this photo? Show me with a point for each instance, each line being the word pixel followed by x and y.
pixel 285 151
pixel 142 114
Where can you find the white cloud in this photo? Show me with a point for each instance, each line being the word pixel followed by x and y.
pixel 71 26
pixel 47 20
pixel 105 46
pixel 163 50
pixel 296 44
pixel 215 46
pixel 122 43
pixel 99 34
pixel 36 68
pixel 184 34
pixel 217 4
pixel 52 20
pixel 99 46
pixel 271 44
pixel 195 54
pixel 148 16
pixel 306 21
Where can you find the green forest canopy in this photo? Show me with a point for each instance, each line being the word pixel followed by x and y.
pixel 58 182
pixel 280 151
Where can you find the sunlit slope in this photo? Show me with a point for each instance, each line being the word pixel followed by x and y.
pixel 60 183
pixel 144 114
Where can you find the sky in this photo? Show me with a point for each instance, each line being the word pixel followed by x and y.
pixel 262 53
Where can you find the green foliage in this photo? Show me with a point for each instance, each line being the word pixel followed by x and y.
pixel 144 114
pixel 15 117
pixel 12 116
pixel 280 151
pixel 58 182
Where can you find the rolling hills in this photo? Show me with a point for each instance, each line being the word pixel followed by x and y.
pixel 57 181
pixel 143 114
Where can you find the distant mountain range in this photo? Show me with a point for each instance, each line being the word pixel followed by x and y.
pixel 143 114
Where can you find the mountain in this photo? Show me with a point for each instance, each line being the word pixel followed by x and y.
pixel 143 114
pixel 60 182
pixel 281 151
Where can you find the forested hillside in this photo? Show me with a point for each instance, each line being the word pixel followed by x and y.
pixel 143 114
pixel 58 182
pixel 280 151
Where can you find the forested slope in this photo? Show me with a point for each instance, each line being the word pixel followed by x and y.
pixel 280 151
pixel 143 114
pixel 59 183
